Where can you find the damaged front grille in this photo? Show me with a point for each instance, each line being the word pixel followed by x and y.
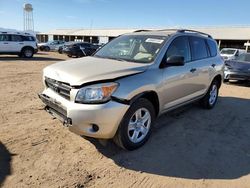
pixel 61 88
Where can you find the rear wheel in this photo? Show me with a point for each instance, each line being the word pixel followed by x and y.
pixel 135 128
pixel 46 48
pixel 210 99
pixel 27 52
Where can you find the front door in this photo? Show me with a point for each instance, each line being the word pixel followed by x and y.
pixel 180 82
pixel 5 45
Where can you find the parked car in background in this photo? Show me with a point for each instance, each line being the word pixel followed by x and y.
pixel 18 43
pixel 80 49
pixel 50 46
pixel 238 69
pixel 59 49
pixel 231 53
pixel 119 94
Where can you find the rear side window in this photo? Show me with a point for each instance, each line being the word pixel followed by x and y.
pixel 28 38
pixel 16 38
pixel 199 48
pixel 179 47
pixel 4 37
pixel 212 47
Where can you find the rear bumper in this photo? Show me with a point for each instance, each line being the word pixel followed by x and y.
pixel 235 75
pixel 80 118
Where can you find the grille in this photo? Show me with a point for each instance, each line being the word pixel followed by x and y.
pixel 61 88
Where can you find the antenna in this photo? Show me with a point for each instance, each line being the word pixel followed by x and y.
pixel 28 22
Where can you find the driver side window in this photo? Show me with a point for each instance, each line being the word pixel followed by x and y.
pixel 179 47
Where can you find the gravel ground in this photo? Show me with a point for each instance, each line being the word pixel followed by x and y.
pixel 189 147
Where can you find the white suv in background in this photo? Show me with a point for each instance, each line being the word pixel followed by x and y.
pixel 18 43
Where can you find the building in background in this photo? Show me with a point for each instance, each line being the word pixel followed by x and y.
pixel 227 37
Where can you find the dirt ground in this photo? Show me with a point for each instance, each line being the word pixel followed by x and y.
pixel 189 147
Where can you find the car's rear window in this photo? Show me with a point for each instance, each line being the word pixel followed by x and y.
pixel 212 47
pixel 28 38
pixel 199 48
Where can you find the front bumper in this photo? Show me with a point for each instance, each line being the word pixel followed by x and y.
pixel 236 75
pixel 80 118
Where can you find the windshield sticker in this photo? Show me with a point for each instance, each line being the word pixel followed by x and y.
pixel 151 40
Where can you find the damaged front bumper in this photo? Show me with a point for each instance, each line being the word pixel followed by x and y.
pixel 93 120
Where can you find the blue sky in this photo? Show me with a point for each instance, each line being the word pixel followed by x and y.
pixel 53 14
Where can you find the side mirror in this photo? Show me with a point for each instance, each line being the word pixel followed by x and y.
pixel 174 60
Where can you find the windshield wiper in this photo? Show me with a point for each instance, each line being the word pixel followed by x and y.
pixel 114 58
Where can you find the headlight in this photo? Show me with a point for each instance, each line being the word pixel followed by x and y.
pixel 225 68
pixel 98 93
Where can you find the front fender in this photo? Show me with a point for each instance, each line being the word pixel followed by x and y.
pixel 133 86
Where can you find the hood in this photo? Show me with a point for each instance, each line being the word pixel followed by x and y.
pixel 88 69
pixel 238 65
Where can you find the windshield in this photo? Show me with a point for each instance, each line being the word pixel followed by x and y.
pixel 228 51
pixel 135 48
pixel 243 57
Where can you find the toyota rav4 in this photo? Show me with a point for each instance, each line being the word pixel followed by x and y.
pixel 120 90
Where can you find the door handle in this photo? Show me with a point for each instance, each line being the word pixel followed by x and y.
pixel 213 65
pixel 21 43
pixel 5 43
pixel 193 70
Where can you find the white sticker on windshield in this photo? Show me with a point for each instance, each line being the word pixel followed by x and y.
pixel 158 41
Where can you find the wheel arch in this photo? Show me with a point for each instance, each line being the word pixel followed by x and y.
pixel 218 78
pixel 27 47
pixel 152 96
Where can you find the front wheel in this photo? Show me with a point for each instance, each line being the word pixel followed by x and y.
pixel 135 128
pixel 210 99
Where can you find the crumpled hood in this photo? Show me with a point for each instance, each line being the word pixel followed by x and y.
pixel 238 65
pixel 83 70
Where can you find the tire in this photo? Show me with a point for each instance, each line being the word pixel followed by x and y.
pixel 69 55
pixel 46 48
pixel 211 97
pixel 27 52
pixel 131 137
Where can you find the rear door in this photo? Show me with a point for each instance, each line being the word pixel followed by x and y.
pixel 16 44
pixel 5 43
pixel 200 64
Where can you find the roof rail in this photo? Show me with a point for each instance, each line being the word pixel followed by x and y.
pixel 167 30
pixel 193 31
pixel 141 30
pixel 177 30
